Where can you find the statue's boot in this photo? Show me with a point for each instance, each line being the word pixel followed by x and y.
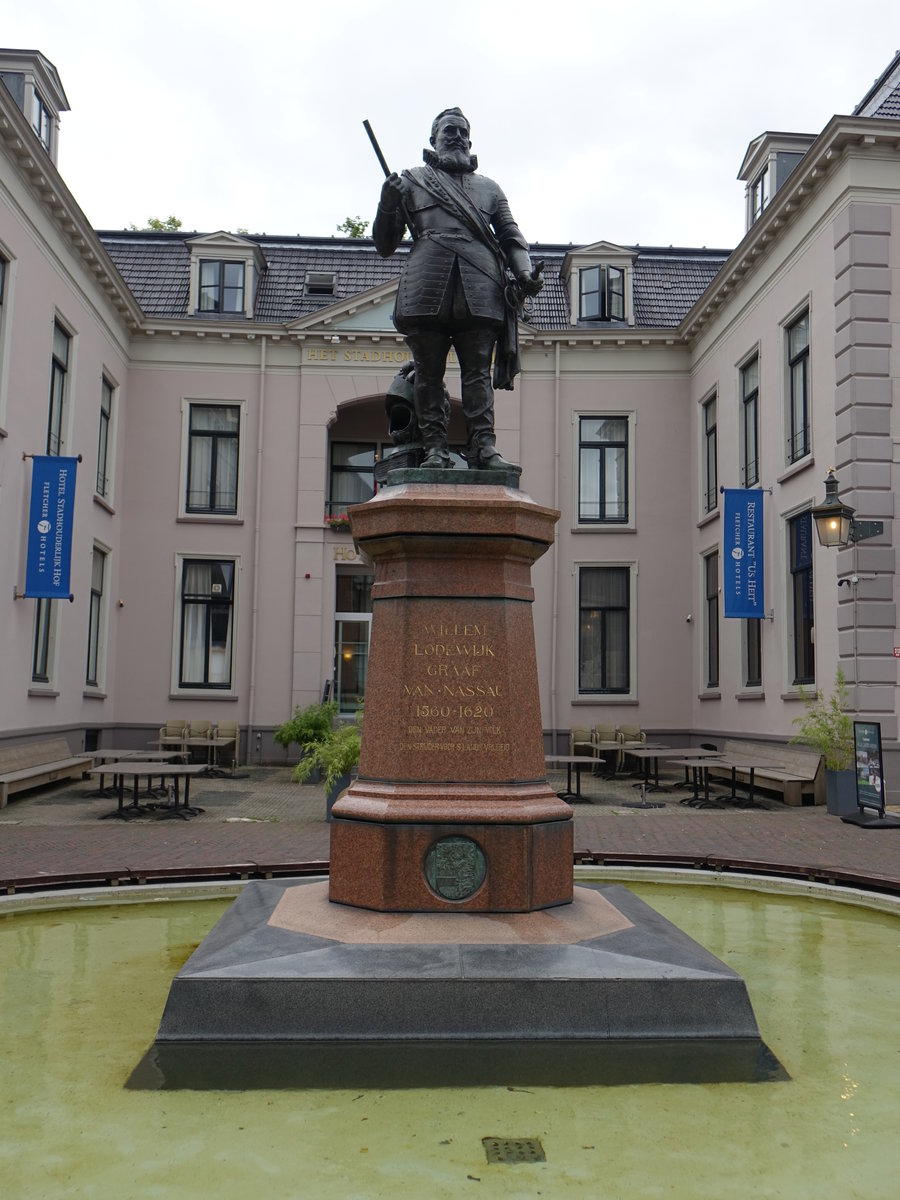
pixel 483 455
pixel 429 402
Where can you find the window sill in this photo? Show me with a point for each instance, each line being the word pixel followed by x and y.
pixel 604 527
pixel 204 694
pixel 708 518
pixel 605 699
pixel 101 502
pixel 45 692
pixel 710 695
pixel 92 693
pixel 750 695
pixel 796 468
pixel 210 518
pixel 794 697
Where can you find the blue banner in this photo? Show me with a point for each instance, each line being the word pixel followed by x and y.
pixel 742 553
pixel 50 522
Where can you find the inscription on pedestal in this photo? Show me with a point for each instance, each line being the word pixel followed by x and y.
pixel 452 694
pixel 455 867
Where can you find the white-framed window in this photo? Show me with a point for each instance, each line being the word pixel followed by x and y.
pixel 749 418
pixel 710 564
pixel 601 293
pixel 225 272
pixel 212 468
pixel 41 119
pixel 60 364
pixel 106 438
pixel 604 469
pixel 606 649
pixel 46 621
pixel 95 670
pixel 760 194
pixel 207 587
pixel 709 455
pixel 797 393
pixel 221 286
pixel 801 658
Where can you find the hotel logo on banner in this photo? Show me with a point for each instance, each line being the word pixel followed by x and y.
pixel 742 555
pixel 50 527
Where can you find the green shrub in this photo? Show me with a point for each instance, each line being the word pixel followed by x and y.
pixel 335 755
pixel 827 726
pixel 308 725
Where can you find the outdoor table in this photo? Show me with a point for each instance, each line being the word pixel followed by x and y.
pixel 577 761
pixel 700 766
pixel 212 767
pixel 143 769
pixel 647 753
pixel 113 756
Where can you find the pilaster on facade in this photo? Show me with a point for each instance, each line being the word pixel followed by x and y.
pixel 863 348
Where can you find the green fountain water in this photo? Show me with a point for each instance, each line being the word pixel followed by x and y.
pixel 82 993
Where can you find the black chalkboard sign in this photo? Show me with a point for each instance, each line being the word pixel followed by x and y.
pixel 868 765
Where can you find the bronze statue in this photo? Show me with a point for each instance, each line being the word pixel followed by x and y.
pixel 463 285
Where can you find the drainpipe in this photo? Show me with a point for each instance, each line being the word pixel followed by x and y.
pixel 554 619
pixel 257 523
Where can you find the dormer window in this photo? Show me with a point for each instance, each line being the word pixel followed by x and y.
pixel 226 273
pixel 221 286
pixel 768 163
pixel 601 293
pixel 600 282
pixel 320 283
pixel 35 86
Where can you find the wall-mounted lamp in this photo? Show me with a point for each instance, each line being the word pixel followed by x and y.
pixel 835 525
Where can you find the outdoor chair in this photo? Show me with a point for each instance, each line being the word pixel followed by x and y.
pixel 631 733
pixel 230 732
pixel 198 736
pixel 172 735
pixel 613 758
pixel 580 741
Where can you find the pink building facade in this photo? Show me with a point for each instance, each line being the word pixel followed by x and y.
pixel 226 395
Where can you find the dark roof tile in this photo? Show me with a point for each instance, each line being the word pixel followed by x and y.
pixel 156 267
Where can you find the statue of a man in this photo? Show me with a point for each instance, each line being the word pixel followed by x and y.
pixel 456 288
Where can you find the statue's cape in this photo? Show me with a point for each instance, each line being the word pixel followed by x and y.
pixel 444 188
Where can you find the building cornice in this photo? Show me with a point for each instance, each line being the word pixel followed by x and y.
pixel 840 136
pixel 45 182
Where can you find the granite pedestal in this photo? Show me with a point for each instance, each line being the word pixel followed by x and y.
pixel 452 810
pixel 291 990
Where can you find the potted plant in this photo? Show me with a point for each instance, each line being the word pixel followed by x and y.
pixel 827 727
pixel 337 521
pixel 335 757
pixel 307 726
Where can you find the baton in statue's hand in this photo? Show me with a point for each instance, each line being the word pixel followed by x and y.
pixel 387 173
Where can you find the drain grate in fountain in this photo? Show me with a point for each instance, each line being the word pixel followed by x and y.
pixel 513 1150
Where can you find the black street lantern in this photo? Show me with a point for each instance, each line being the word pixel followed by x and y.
pixel 834 520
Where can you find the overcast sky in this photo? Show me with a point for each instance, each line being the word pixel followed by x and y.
pixel 626 122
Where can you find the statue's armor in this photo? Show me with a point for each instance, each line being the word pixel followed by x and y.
pixel 443 243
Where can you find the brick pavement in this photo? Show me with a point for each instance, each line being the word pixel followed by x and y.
pixel 262 822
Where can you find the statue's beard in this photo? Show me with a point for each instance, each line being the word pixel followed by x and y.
pixel 456 161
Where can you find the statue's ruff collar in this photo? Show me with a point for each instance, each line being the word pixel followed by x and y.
pixel 434 160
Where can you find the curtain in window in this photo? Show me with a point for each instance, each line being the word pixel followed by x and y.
pixel 603 640
pixel 207 589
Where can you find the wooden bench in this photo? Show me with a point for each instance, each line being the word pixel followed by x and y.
pixel 798 774
pixel 30 764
